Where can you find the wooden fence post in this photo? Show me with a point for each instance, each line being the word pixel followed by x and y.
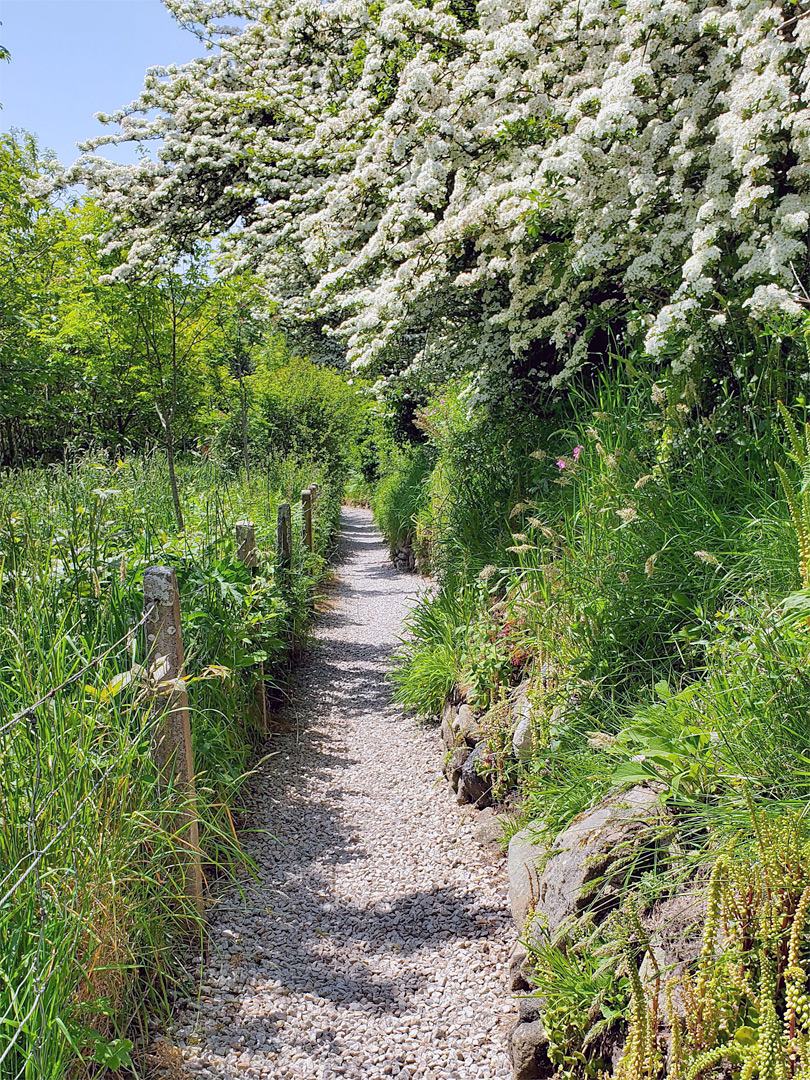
pixel 306 503
pixel 246 544
pixel 313 506
pixel 284 536
pixel 246 554
pixel 172 748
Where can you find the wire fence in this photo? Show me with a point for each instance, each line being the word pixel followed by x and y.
pixel 82 789
pixel 55 765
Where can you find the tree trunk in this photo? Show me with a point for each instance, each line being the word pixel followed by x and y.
pixel 244 404
pixel 178 511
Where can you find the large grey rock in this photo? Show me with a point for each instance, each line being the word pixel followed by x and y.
pixel 531 1008
pixel 475 787
pixel 599 853
pixel 524 867
pixel 467 726
pixel 528 1051
pixel 520 705
pixel 523 739
pixel 454 765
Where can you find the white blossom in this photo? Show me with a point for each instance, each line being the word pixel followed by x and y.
pixel 420 184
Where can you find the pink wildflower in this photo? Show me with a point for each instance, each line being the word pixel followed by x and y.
pixel 561 464
pixel 577 451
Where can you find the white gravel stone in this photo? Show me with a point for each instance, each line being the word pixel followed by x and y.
pixel 375 942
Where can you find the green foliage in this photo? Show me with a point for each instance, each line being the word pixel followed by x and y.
pixel 431 656
pixel 745 1005
pixel 308 409
pixel 563 778
pixel 35 395
pixel 585 994
pixel 99 921
pixel 482 469
pixel 401 493
pixel 798 500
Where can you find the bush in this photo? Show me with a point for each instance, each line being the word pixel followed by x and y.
pixel 306 410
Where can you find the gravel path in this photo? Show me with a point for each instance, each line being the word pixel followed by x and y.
pixel 374 944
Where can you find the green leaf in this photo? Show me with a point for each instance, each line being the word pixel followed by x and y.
pixel 113 1054
pixel 632 772
pixel 746 1036
pixel 116 684
pixel 797 605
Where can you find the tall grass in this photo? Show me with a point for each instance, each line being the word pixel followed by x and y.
pixel 633 546
pixel 93 915
pixel 400 494
pixel 430 661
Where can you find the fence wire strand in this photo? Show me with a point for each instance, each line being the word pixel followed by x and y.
pixel 30 710
pixel 39 772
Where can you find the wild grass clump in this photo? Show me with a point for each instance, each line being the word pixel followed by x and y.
pixel 400 493
pixel 93 909
pixel 430 659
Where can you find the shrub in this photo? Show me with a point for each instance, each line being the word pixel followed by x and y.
pixel 298 409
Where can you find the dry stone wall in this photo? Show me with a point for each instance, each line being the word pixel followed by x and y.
pixel 585 871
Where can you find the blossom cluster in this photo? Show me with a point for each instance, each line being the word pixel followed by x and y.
pixel 488 183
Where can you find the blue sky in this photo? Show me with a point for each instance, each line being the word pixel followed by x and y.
pixel 73 58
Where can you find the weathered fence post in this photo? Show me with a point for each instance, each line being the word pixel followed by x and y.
pixel 246 544
pixel 172 748
pixel 246 554
pixel 284 536
pixel 306 503
pixel 313 505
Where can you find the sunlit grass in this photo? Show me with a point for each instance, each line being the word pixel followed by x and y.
pixel 93 913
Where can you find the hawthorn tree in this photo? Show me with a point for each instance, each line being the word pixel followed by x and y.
pixel 500 185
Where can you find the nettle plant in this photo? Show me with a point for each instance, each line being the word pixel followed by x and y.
pixel 451 182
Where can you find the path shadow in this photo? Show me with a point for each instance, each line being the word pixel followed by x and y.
pixel 299 925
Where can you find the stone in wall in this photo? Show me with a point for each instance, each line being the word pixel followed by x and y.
pixel 473 786
pixel 521 716
pixel 528 1048
pixel 455 764
pixel 448 733
pixel 467 726
pixel 489 830
pixel 523 740
pixel 675 927
pixel 525 860
pixel 602 849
